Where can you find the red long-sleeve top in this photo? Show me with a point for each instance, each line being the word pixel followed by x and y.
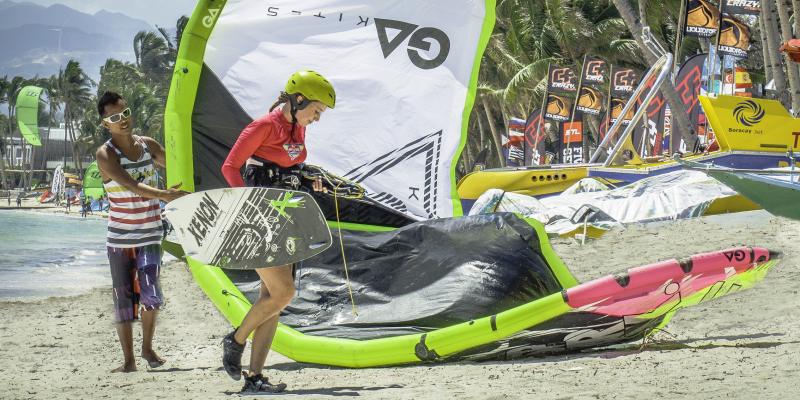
pixel 270 138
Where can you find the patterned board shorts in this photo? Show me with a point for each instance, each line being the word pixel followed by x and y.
pixel 134 278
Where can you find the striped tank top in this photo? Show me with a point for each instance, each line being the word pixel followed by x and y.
pixel 133 221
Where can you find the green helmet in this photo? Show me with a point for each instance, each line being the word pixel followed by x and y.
pixel 312 86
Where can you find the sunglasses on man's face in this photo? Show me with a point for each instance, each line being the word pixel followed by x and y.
pixel 114 118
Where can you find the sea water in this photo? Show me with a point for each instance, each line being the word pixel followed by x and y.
pixel 44 255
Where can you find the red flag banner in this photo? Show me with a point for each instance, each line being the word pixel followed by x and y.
pixel 688 87
pixel 514 145
pixel 535 134
pixel 648 135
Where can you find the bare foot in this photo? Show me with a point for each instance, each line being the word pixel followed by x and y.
pixel 127 367
pixel 153 360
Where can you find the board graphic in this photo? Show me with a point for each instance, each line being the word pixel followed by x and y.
pixel 249 228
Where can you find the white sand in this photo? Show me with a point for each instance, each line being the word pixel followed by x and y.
pixel 746 345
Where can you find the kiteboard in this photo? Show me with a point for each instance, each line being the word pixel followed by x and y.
pixel 249 228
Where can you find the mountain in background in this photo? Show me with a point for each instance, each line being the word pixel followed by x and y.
pixel 29 38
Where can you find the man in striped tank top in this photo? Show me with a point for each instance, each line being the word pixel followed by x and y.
pixel 127 164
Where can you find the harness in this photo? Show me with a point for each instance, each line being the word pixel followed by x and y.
pixel 261 172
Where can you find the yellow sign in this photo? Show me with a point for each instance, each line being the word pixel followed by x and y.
pixel 751 124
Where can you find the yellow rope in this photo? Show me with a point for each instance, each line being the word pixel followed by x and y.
pixel 341 245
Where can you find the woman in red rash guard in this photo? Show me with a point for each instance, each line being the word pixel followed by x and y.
pixel 272 148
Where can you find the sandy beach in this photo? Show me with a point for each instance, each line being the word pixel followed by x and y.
pixel 746 345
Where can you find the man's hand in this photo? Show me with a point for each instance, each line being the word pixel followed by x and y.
pixel 172 193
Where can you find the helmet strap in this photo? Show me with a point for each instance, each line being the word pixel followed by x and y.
pixel 297 106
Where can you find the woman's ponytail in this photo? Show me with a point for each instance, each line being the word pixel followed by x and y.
pixel 283 98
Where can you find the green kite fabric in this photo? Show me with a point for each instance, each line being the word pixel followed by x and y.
pixel 28 114
pixel 93 182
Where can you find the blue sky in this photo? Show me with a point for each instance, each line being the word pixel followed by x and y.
pixel 156 12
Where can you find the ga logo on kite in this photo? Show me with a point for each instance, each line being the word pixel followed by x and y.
pixel 419 41
pixel 748 113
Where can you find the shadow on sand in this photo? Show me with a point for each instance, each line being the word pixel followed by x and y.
pixel 352 391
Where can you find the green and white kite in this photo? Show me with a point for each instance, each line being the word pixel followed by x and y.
pixel 28 113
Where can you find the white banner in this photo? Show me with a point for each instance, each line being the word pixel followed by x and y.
pixel 401 70
pixel 57 186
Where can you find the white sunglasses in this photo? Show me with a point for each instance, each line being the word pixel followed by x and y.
pixel 114 118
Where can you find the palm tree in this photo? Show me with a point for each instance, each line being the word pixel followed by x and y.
pixel 791 68
pixel 681 117
pixel 3 140
pixel 92 134
pixel 75 92
pixel 768 23
pixel 174 42
pixel 154 57
pixel 796 21
pixel 51 89
pixel 767 60
pixel 528 36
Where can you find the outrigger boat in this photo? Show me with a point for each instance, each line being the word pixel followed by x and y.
pixel 776 191
pixel 751 133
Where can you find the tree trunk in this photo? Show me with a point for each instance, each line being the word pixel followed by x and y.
pixel 643 12
pixel 681 117
pixel 482 143
pixel 795 10
pixel 11 142
pixel 23 169
pixel 466 154
pixel 466 158
pixel 3 154
pixel 791 68
pixel 768 24
pixel 764 50
pixel 498 140
pixel 29 175
pixel 593 124
pixel 76 160
pixel 46 141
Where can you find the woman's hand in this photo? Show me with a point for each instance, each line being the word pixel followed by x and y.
pixel 317 185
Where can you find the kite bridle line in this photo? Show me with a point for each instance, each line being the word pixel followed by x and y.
pixel 353 191
pixel 341 245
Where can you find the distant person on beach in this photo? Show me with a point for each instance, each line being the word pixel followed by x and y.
pixel 82 198
pixel 272 147
pixel 127 164
pixel 19 199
